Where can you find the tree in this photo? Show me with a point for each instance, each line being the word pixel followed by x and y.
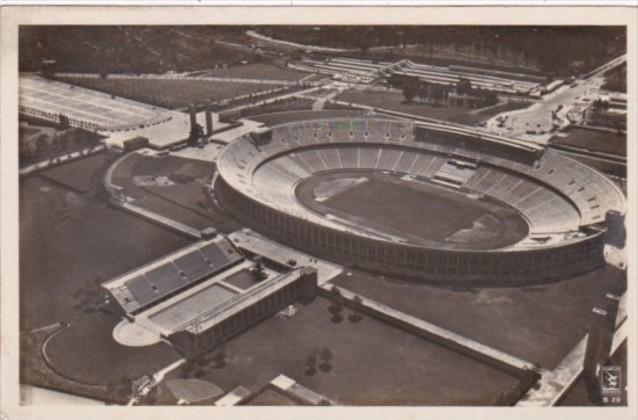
pixel 464 86
pixel 197 132
pixel 337 300
pixel 63 121
pixel 311 364
pixel 41 144
pixel 259 274
pixel 337 305
pixel 409 92
pixel 356 316
pixel 325 354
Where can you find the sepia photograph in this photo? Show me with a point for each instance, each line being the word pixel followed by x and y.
pixel 322 214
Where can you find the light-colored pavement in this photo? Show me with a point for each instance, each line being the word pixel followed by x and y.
pixel 261 245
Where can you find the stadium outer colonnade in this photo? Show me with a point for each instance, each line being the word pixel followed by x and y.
pixel 512 266
pixel 515 267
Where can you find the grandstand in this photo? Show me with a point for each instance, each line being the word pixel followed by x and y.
pixel 85 108
pixel 159 280
pixel 366 71
pixel 562 202
pixel 188 297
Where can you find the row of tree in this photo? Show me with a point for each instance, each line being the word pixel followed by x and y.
pixel 459 94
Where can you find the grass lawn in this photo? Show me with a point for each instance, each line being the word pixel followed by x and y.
pixel 448 211
pixel 70 241
pixel 538 324
pixel 276 118
pixel 595 140
pixel 181 201
pixel 403 369
pixel 396 102
pixel 475 118
pixel 78 175
pixel 257 71
pixel 168 93
pixel 288 104
pixel 87 352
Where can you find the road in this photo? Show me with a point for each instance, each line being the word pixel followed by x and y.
pixel 536 123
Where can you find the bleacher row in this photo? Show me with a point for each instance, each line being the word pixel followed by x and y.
pixel 545 210
pixel 367 70
pixel 158 282
pixel 556 194
pixel 92 107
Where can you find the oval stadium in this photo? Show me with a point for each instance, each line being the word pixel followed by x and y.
pixel 433 202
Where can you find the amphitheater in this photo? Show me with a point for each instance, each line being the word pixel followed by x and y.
pixel 540 216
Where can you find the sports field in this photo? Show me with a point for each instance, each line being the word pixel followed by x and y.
pixel 289 104
pixel 182 198
pixel 539 324
pixel 169 93
pixel 396 102
pixel 594 140
pixel 419 212
pixel 257 71
pixel 71 242
pixel 86 352
pixel 291 116
pixel 402 369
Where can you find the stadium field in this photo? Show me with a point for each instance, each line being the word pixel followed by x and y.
pixel 392 205
pixel 549 320
pixel 356 375
pixel 594 140
pixel 169 93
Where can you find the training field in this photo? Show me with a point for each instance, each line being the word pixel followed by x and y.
pixel 275 118
pixel 396 102
pixel 538 324
pixel 257 71
pixel 402 369
pixel 70 242
pixel 103 360
pixel 594 140
pixel 180 199
pixel 392 205
pixel 169 93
